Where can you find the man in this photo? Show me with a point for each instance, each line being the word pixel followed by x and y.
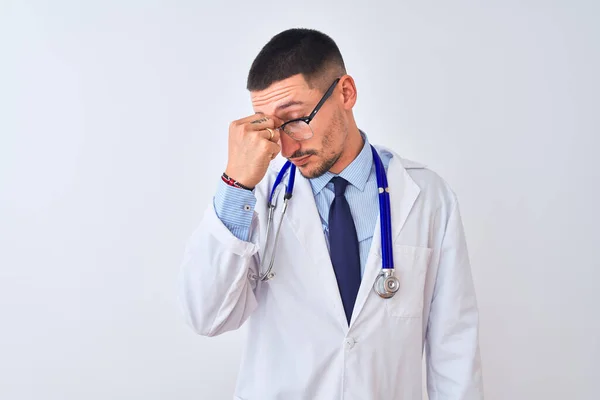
pixel 317 327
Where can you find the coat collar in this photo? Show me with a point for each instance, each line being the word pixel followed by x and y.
pixel 304 219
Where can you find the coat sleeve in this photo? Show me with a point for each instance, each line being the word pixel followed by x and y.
pixel 215 292
pixel 453 360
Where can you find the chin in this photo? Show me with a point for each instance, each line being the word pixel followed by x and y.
pixel 311 170
pixel 306 171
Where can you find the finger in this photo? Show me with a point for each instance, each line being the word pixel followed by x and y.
pixel 276 136
pixel 249 118
pixel 253 119
pixel 270 134
pixel 262 121
pixel 265 134
pixel 274 149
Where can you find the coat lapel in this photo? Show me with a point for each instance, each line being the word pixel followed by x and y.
pixel 403 194
pixel 304 219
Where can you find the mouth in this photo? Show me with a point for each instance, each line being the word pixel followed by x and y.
pixel 298 162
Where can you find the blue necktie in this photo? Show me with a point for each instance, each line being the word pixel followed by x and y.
pixel 343 247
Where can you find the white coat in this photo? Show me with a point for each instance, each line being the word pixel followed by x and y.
pixel 299 345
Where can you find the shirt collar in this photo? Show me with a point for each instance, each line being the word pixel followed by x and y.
pixel 356 173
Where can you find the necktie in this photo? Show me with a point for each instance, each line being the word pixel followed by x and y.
pixel 343 247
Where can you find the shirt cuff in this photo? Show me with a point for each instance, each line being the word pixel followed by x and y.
pixel 235 208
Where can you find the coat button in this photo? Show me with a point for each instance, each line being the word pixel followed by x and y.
pixel 350 342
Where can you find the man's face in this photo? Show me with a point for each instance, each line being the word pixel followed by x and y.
pixel 292 98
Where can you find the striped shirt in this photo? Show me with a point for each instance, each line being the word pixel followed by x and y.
pixel 235 207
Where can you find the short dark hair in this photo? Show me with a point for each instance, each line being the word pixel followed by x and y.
pixel 297 51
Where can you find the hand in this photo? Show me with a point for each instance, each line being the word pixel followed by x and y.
pixel 252 147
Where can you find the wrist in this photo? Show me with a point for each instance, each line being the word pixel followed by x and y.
pixel 239 175
pixel 234 183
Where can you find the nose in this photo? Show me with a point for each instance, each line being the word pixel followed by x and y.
pixel 288 145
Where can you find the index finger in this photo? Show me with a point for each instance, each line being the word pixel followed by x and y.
pixel 260 118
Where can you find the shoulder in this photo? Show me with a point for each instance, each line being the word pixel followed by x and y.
pixel 432 185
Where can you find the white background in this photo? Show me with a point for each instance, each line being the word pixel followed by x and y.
pixel 113 124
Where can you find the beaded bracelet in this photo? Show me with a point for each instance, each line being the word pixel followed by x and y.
pixel 234 183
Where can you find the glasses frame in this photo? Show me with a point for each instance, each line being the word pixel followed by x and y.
pixel 314 112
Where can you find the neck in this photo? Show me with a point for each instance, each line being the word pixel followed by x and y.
pixel 352 148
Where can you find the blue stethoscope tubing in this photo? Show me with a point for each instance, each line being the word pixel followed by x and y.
pixel 290 186
pixel 386 284
pixel 289 190
pixel 384 211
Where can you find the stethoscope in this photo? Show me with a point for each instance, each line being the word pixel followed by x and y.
pixel 386 284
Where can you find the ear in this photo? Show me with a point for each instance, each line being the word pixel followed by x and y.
pixel 348 91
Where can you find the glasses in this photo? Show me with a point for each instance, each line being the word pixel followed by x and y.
pixel 299 128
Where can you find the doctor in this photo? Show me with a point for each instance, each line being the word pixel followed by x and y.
pixel 322 324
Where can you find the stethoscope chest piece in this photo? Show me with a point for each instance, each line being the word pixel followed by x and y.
pixel 386 284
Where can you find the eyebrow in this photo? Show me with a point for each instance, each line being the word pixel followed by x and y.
pixel 283 106
pixel 288 104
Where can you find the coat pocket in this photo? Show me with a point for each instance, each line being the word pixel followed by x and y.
pixel 410 265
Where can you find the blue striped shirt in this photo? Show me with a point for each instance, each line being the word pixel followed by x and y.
pixel 235 207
